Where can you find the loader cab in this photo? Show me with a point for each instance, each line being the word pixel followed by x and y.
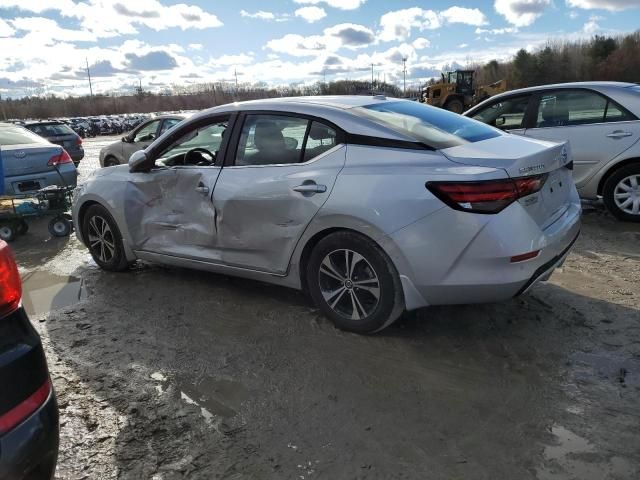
pixel 463 80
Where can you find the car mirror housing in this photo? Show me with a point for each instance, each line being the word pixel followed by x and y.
pixel 137 161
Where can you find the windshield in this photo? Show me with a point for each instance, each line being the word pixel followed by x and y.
pixel 14 135
pixel 432 126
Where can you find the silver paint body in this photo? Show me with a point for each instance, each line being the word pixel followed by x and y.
pixel 597 147
pixel 251 223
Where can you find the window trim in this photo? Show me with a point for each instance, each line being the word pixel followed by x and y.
pixel 554 91
pixel 234 141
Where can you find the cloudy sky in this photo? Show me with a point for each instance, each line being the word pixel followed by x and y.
pixel 166 42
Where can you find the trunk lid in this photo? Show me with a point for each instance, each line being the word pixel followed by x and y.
pixel 28 159
pixel 522 157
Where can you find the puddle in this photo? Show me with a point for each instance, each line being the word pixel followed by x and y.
pixel 43 292
pixel 572 457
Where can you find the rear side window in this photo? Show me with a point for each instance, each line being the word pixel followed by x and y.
pixel 14 135
pixel 506 114
pixel 51 129
pixel 578 107
pixel 435 127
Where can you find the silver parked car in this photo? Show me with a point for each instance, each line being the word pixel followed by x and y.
pixel 138 139
pixel 601 122
pixel 31 162
pixel 373 205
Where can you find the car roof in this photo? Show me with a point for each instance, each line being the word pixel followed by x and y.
pixel 336 101
pixel 556 86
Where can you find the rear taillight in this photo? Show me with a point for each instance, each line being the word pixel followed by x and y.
pixel 63 157
pixel 489 196
pixel 10 284
pixel 19 413
pixel 79 140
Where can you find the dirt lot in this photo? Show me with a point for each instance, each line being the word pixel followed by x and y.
pixel 168 374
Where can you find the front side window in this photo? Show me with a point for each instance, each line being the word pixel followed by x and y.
pixel 168 124
pixel 277 139
pixel 435 127
pixel 198 147
pixel 506 114
pixel 148 132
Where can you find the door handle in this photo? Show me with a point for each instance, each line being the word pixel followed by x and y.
pixel 619 134
pixel 310 188
pixel 202 189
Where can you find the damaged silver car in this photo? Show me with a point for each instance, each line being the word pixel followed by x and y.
pixel 373 205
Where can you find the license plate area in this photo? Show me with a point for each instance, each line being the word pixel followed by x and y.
pixel 29 186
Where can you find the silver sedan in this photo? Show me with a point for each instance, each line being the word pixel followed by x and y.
pixel 601 121
pixel 372 205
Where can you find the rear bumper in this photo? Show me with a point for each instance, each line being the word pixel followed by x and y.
pixel 30 451
pixel 43 179
pixel 455 257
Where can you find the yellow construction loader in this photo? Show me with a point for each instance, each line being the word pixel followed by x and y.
pixel 456 91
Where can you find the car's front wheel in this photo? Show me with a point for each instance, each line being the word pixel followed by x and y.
pixel 354 283
pixel 102 236
pixel 111 162
pixel 621 193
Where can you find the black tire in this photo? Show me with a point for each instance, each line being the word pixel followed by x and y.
pixel 8 232
pixel 455 106
pixel 22 227
pixel 111 161
pixel 374 313
pixel 609 191
pixel 117 260
pixel 59 226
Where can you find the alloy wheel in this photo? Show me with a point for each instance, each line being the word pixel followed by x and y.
pixel 349 284
pixel 626 195
pixel 101 240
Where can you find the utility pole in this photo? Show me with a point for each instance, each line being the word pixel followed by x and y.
pixel 404 72
pixel 89 75
pixel 235 72
pixel 372 76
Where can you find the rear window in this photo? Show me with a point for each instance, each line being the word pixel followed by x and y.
pixel 51 129
pixel 15 135
pixel 432 126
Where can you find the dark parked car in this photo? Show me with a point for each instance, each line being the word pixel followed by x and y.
pixel 61 134
pixel 138 139
pixel 29 429
pixel 31 162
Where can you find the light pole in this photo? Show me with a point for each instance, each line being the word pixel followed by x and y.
pixel 404 72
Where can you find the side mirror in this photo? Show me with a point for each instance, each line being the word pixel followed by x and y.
pixel 500 121
pixel 137 161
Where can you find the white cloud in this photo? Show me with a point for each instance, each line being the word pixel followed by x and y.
pixel 311 14
pixel 397 25
pixel 195 46
pixel 521 13
pixel 341 4
pixel 48 31
pixel 349 35
pixel 6 30
pixel 591 27
pixel 227 60
pixel 420 43
pixel 497 31
pixel 463 45
pixel 468 16
pixel 261 14
pixel 112 18
pixel 611 5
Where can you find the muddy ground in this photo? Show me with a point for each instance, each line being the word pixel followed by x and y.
pixel 163 373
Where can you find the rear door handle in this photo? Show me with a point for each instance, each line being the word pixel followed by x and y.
pixel 619 134
pixel 310 188
pixel 202 189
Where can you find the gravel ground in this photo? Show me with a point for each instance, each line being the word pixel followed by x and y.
pixel 164 373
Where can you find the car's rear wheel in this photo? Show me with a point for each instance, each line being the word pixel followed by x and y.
pixel 104 240
pixel 354 283
pixel 8 232
pixel 111 162
pixel 621 193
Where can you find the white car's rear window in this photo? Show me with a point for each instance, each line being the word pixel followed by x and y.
pixel 432 126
